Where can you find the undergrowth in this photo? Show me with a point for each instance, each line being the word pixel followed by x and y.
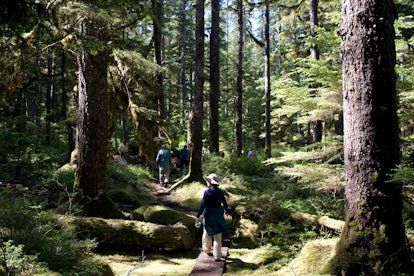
pixel 32 238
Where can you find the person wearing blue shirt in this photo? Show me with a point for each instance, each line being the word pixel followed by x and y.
pixel 214 207
pixel 184 158
pixel 163 162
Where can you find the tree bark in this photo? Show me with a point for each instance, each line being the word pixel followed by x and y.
pixel 268 140
pixel 92 122
pixel 196 172
pixel 316 125
pixel 158 100
pixel 183 97
pixel 214 76
pixel 373 241
pixel 157 23
pixel 239 85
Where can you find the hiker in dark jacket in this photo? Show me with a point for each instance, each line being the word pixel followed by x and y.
pixel 213 207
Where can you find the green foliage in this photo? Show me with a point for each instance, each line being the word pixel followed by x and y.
pixel 38 233
pixel 286 238
pixel 305 178
pixel 404 176
pixel 14 261
pixel 25 153
pixel 126 185
pixel 237 166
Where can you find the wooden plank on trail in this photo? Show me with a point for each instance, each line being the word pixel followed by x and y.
pixel 205 264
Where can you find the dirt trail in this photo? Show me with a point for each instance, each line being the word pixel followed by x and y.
pixel 164 197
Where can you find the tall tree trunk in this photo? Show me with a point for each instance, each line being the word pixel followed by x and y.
pixel 239 85
pixel 64 110
pixel 316 125
pixel 268 141
pixel 190 109
pixel 196 172
pixel 49 95
pixel 214 76
pixel 157 23
pixel 92 123
pixel 183 64
pixel 373 240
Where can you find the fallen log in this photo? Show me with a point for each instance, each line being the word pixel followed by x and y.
pixel 323 221
pixel 130 233
pixel 277 213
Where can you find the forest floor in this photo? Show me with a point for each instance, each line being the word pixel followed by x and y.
pixel 164 197
pixel 155 263
pixel 246 255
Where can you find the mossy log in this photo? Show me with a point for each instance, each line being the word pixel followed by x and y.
pixel 132 234
pixel 165 215
pixel 323 221
pixel 277 213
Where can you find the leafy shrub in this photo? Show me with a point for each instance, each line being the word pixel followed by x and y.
pixel 241 166
pixel 37 233
pixel 13 260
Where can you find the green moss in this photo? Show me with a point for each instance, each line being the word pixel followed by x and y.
pixel 138 214
pixel 103 207
pixel 164 215
pixel 273 215
pixel 312 258
pixel 362 250
pixel 376 177
pixel 123 197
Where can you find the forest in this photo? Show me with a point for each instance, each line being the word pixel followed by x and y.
pixel 321 91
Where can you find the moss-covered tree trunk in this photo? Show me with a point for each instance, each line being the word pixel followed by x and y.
pixel 373 241
pixel 196 172
pixel 92 122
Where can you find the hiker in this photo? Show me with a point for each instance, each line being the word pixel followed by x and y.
pixel 213 207
pixel 163 161
pixel 184 158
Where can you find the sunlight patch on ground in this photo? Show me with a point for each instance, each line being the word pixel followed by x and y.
pixel 189 195
pixel 250 255
pixel 243 261
pixel 312 258
pixel 122 265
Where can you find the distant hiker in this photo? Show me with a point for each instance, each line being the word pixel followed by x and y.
pixel 214 207
pixel 251 153
pixel 163 161
pixel 184 158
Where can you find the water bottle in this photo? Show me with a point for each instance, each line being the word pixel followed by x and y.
pixel 198 223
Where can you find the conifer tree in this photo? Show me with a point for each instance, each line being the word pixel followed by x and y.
pixel 373 240
pixel 214 76
pixel 92 124
pixel 239 84
pixel 268 140
pixel 196 172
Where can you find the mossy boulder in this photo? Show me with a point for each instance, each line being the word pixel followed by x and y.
pixel 166 216
pixel 131 234
pixel 138 214
pixel 312 258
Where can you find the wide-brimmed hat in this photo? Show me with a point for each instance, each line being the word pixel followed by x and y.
pixel 213 179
